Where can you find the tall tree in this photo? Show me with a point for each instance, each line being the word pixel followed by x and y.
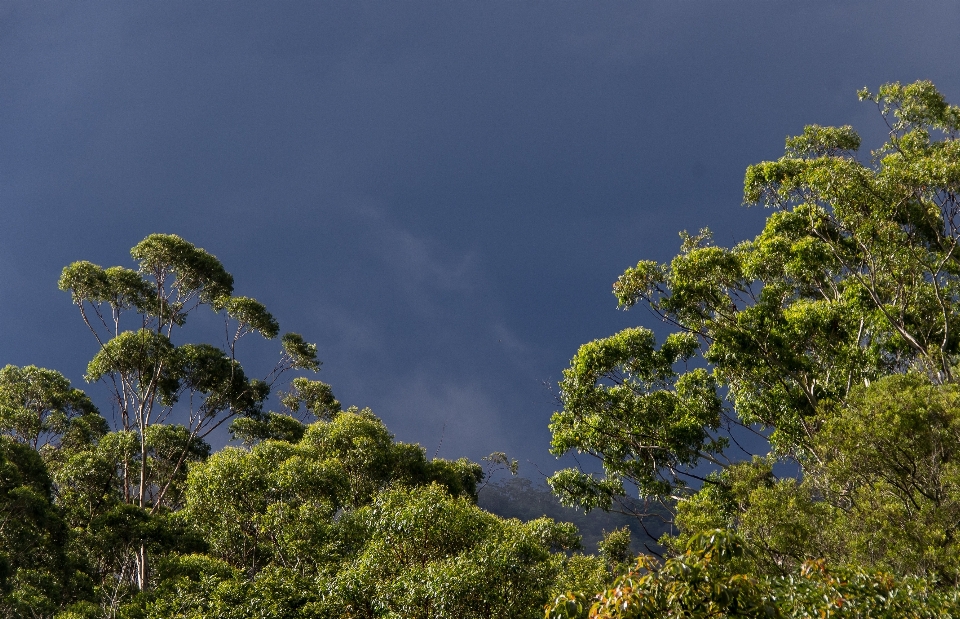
pixel 134 315
pixel 856 275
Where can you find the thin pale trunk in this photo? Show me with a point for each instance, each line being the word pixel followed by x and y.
pixel 142 568
pixel 126 480
pixel 142 492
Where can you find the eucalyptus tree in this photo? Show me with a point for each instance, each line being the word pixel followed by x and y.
pixel 38 406
pixel 856 275
pixel 134 316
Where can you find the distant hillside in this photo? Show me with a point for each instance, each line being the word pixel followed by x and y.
pixel 526 500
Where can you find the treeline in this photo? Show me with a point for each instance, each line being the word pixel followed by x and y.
pixel 834 335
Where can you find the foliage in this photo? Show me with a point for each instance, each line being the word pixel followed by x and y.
pixel 890 462
pixel 615 548
pixel 712 579
pixel 341 518
pixel 37 575
pixel 345 520
pixel 275 501
pixel 854 278
pixel 413 552
pixel 313 396
pixel 38 406
pixel 624 403
pixel 270 504
pixel 881 494
pixel 428 554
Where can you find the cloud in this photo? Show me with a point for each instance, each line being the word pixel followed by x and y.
pixel 414 265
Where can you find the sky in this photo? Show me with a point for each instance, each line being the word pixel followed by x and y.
pixel 439 194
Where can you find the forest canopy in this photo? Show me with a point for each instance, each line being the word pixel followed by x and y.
pixel 831 339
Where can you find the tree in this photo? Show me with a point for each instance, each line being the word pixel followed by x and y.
pixel 38 406
pixel 133 315
pixel 273 504
pixel 855 276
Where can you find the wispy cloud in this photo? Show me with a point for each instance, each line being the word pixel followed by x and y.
pixel 421 269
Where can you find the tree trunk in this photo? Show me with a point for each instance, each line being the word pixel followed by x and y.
pixel 142 568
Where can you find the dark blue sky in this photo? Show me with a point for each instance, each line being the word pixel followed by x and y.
pixel 439 194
